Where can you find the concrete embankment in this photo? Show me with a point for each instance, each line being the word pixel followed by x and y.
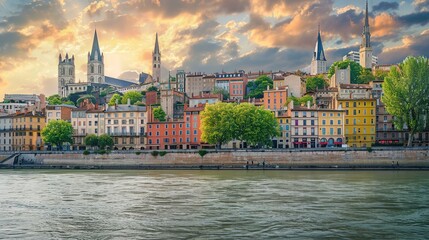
pixel 294 159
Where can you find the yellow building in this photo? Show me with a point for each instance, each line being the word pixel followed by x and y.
pixel 331 127
pixel 359 122
pixel 26 131
pixel 284 120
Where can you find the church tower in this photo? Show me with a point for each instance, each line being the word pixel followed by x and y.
pixel 365 52
pixel 66 73
pixel 95 69
pixel 318 64
pixel 156 62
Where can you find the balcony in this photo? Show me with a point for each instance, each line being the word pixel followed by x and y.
pixel 126 134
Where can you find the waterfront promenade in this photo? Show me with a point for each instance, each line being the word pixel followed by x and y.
pixel 375 158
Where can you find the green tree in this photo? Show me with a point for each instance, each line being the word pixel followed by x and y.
pixel 55 100
pixel 300 101
pixel 104 141
pixel 224 92
pixel 57 132
pixel 257 87
pixel 218 123
pixel 134 97
pixel 91 140
pixel 159 114
pixel 266 127
pixel 316 82
pixel 355 69
pixel 116 97
pixel 254 125
pixel 406 91
pixel 365 76
pixel 380 74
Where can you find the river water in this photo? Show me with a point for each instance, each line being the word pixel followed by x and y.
pixel 166 204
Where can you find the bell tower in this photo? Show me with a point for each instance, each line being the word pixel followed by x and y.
pixel 66 73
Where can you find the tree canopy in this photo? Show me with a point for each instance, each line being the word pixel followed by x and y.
pixel 355 69
pixel 104 141
pixel 90 97
pixel 300 101
pixel 91 140
pixel 257 87
pixel 365 76
pixel 115 98
pixel 57 132
pixel 58 100
pixel 134 97
pixel 316 82
pixel 224 92
pixel 159 114
pixel 223 122
pixel 406 91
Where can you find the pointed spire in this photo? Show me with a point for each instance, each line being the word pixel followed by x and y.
pixel 366 15
pixel 156 50
pixel 319 53
pixel 59 57
pixel 366 35
pixel 95 51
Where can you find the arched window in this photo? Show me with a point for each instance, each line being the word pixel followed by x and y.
pixel 154 65
pixel 99 79
pixel 71 71
pixel 92 68
pixel 91 79
pixel 63 71
pixel 99 69
pixel 63 82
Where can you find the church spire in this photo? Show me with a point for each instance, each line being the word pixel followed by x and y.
pixel 319 53
pixel 95 51
pixel 156 49
pixel 366 35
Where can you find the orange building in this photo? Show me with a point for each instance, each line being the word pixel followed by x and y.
pixel 192 126
pixel 27 127
pixel 275 99
pixel 165 135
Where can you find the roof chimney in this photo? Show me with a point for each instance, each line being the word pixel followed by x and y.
pixel 308 104
pixel 129 102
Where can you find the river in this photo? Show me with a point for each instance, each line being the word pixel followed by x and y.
pixel 167 204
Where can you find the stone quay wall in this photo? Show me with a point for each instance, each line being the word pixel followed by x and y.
pixel 405 158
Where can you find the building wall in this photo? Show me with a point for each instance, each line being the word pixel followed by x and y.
pixel 304 128
pixel 275 99
pixel 27 129
pixel 192 132
pixel 165 135
pixel 58 113
pixel 296 85
pixel 194 84
pixel 6 132
pixel 360 121
pixel 331 127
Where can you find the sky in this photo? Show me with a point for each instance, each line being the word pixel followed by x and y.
pixel 196 35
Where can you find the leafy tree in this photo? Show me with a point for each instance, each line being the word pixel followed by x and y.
pixel 257 87
pixel 316 82
pixel 139 103
pixel 254 125
pixel 406 91
pixel 116 97
pixel 299 101
pixel 91 140
pixel 57 132
pixel 218 123
pixel 380 74
pixel 134 97
pixel 355 69
pixel 55 100
pixel 365 76
pixel 104 141
pixel 75 96
pixel 224 92
pixel 159 114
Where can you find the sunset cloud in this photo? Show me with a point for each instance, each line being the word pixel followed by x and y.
pixel 195 35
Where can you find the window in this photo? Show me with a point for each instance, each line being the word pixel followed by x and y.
pixel 331 122
pixel 339 131
pixel 323 122
pixel 331 131
pixel 339 122
pixel 304 122
pixel 323 131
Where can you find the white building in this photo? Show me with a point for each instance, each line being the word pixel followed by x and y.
pixel 296 85
pixel 6 133
pixel 355 57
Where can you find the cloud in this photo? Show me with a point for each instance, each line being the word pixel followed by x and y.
pixel 411 45
pixel 384 6
pixel 95 8
pixel 421 5
pixel 129 75
pixel 419 18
